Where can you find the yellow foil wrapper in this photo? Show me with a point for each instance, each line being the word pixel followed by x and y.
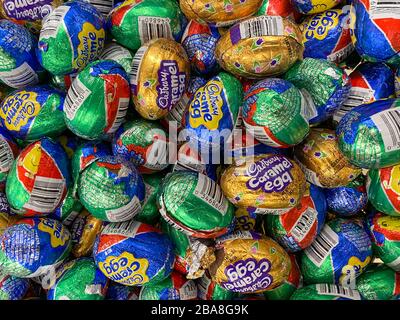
pixel 6 221
pixel 260 47
pixel 217 12
pixel 161 79
pixel 322 162
pixel 266 182
pixel 250 263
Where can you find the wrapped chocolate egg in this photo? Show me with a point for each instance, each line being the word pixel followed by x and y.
pixel 208 289
pixel 133 253
pixel 104 6
pixel 149 213
pixel 314 6
pixel 212 113
pixel 6 220
pixel 369 82
pixel 19 65
pixel 78 279
pixel 63 82
pixel 397 83
pixel 39 178
pixel 159 77
pixel 114 51
pixel 282 8
pixel 369 135
pixel 175 287
pixel 385 237
pixel 383 188
pixel 71 37
pixel 273 111
pixel 379 282
pixel 13 288
pixel 69 142
pixel 144 143
pixel 326 35
pixel 34 112
pixel 111 189
pixel 271 183
pixel 324 86
pixel 260 47
pixel 349 200
pixel 118 291
pixel 219 13
pixel 325 291
pixel 248 262
pixel 33 246
pixel 322 162
pixel 98 99
pixel 133 24
pixel 9 150
pixel 245 219
pixel 338 255
pixel 297 228
pixel 194 204
pixel 68 210
pixel 374 26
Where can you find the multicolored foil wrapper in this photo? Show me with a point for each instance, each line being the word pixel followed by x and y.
pixel 10 150
pixel 111 189
pixel 271 183
pixel 159 77
pixel 19 65
pixel 260 47
pixel 63 82
pixel 104 6
pixel 78 279
pixel 135 22
pixel 273 111
pixel 134 254
pixel 208 289
pixel 175 287
pixel 369 136
pixel 322 162
pixel 248 262
pixel 13 288
pixel 194 204
pixel 149 213
pixel 297 228
pixel 397 83
pixel 282 8
pixel 68 210
pixel 245 219
pixel 33 246
pixel 70 143
pixel 71 37
pixel 339 254
pixel 326 291
pixel 98 100
pixel 314 6
pixel 324 86
pixel 39 178
pixel 117 291
pixel 114 51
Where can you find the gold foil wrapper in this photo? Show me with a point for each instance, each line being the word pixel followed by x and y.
pixel 266 181
pixel 203 263
pixel 6 221
pixel 322 162
pixel 257 57
pixel 220 13
pixel 151 80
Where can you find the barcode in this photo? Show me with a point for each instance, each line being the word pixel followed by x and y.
pixel 114 52
pixel 176 113
pixel 135 66
pixel 20 77
pixel 127 228
pixel 388 124
pixel 203 284
pixel 337 290
pixel 104 6
pixel 341 54
pixel 45 195
pixel 303 224
pixel 261 26
pixel 308 109
pixel 260 135
pixel 123 105
pixel 383 9
pixel 6 156
pixel 154 28
pixel 322 246
pixel 210 192
pixel 52 22
pixel 77 94
pixel 126 212
pixel 188 291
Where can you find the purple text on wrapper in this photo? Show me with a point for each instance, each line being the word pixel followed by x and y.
pixel 27 9
pixel 171 84
pixel 270 174
pixel 248 276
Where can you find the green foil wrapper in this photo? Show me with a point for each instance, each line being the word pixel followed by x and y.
pixel 324 291
pixel 150 213
pixel 208 289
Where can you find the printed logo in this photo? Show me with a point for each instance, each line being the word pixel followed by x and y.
pixel 353 268
pixel 319 26
pixel 58 234
pixel 27 9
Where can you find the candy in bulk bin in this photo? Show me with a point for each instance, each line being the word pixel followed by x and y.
pixel 338 255
pixel 9 150
pixel 116 291
pixel 71 37
pixel 194 204
pixel 208 289
pixel 32 246
pixel 260 47
pixel 149 213
pixel 369 136
pixel 134 253
pixel 69 208
pixel 134 23
pixel 282 8
pixel 13 288
pixel 325 291
pixel 78 279
pixel 111 189
pixel 19 65
pixel 159 77
pixel 98 99
pixel 314 6
pixel 33 112
pixel 39 178
pixel 114 51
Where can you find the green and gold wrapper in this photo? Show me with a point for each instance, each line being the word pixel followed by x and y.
pixel 159 77
pixel 325 291
pixel 114 51
pixel 248 262
pixel 322 162
pixel 259 52
pixel 194 204
pixel 270 183
pixel 208 289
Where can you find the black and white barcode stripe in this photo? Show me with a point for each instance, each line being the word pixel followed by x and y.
pixel 381 9
pixel 20 77
pixel 135 66
pixel 126 228
pixel 114 52
pixel 304 224
pixel 209 191
pixel 176 113
pixel 357 97
pixel 121 113
pixel 53 21
pixel 388 124
pixel 262 26
pixel 6 156
pixel 337 290
pixel 154 28
pixel 77 94
pixel 104 6
pixel 322 246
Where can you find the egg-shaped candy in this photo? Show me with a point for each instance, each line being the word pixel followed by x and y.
pixel 9 150
pixel 314 6
pixel 325 291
